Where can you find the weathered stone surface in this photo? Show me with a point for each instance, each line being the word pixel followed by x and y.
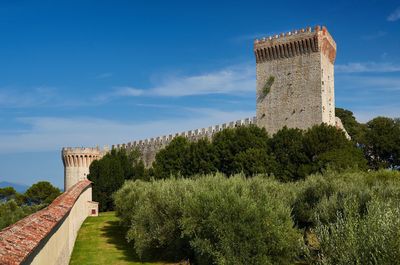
pixel 301 67
pixel 76 163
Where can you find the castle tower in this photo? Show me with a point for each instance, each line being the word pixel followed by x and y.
pixel 76 163
pixel 295 79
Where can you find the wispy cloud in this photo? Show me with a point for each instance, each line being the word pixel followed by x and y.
pixel 233 80
pixel 395 15
pixel 372 83
pixel 104 75
pixel 12 98
pixel 118 92
pixel 47 134
pixel 375 35
pixel 368 113
pixel 127 91
pixel 367 67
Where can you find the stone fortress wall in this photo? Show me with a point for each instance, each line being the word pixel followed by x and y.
pixel 76 163
pixel 48 236
pixel 150 147
pixel 294 88
pixel 295 79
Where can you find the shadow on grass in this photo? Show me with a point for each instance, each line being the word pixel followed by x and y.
pixel 115 235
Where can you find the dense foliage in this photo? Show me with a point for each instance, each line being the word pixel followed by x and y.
pixel 109 173
pixel 15 206
pixel 332 218
pixel 379 139
pixel 211 220
pixel 290 154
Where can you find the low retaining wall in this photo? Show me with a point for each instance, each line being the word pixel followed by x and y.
pixel 48 236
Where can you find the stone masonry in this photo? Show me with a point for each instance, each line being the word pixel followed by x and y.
pixel 150 147
pixel 295 88
pixel 76 163
pixel 295 79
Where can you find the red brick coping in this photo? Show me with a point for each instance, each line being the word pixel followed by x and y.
pixel 19 240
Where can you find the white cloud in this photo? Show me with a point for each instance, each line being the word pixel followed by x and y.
pixel 375 35
pixel 49 134
pixel 128 91
pixel 104 75
pixel 373 83
pixel 370 112
pixel 117 92
pixel 12 98
pixel 367 67
pixel 395 15
pixel 234 80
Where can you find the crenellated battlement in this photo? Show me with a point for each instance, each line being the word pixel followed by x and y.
pixel 295 43
pixel 77 161
pixel 191 134
pixel 80 156
pixel 149 147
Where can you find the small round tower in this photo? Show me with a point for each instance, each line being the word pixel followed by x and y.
pixel 76 163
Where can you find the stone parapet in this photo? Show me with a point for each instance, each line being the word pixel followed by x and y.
pixel 149 147
pixel 295 43
pixel 29 241
pixel 191 134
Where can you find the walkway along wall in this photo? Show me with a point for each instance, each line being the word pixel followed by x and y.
pixel 48 236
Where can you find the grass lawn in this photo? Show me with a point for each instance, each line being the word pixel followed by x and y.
pixel 102 241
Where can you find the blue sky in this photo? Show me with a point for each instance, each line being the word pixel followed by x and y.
pixel 87 73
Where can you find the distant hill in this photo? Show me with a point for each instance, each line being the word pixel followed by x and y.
pixel 18 187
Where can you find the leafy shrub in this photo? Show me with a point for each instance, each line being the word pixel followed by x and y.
pixel 320 197
pixel 215 219
pixel 354 238
pixel 152 211
pixel 228 224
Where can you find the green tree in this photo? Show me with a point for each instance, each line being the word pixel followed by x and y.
pixel 355 129
pixel 383 142
pixel 107 175
pixel 327 146
pixel 200 158
pixel 170 160
pixel 293 162
pixel 42 192
pixel 230 142
pixel 7 193
pixel 255 161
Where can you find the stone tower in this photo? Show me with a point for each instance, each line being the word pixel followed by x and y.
pixel 76 163
pixel 295 79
